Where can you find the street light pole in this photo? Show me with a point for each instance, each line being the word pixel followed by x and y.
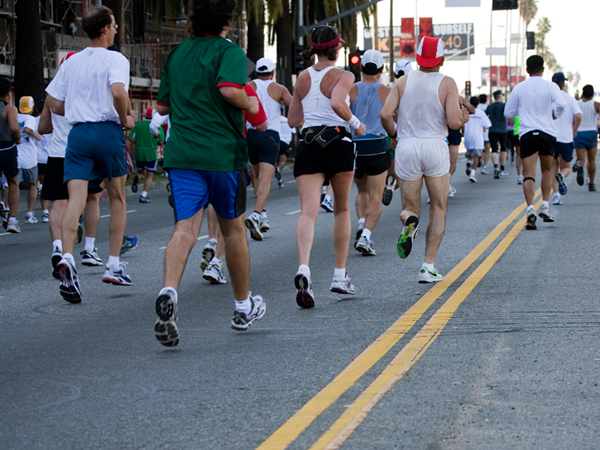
pixel 391 40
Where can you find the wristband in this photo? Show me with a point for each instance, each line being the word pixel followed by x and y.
pixel 353 123
pixel 394 136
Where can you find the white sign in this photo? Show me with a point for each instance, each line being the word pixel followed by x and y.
pixel 515 38
pixel 452 3
pixel 495 51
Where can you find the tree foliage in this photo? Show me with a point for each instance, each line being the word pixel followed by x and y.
pixel 544 27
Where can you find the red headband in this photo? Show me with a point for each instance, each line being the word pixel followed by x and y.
pixel 325 45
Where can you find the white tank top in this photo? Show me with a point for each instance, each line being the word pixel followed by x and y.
pixel 317 108
pixel 420 113
pixel 588 121
pixel 271 107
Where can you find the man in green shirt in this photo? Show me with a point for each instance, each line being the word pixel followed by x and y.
pixel 145 153
pixel 202 90
pixel 495 112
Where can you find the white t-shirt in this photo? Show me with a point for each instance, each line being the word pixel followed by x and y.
pixel 42 146
pixel 285 132
pixel 83 82
pixel 534 100
pixel 27 149
pixel 486 133
pixel 564 124
pixel 473 130
pixel 58 146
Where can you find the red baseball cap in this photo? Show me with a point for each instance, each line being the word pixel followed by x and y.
pixel 430 52
pixel 149 113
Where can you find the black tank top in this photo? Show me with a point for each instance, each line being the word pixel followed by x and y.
pixel 6 137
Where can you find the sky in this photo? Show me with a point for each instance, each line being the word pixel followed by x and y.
pixel 573 38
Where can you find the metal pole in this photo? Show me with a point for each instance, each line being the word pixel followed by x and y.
pixel 469 53
pixel 391 40
pixel 491 29
pixel 300 38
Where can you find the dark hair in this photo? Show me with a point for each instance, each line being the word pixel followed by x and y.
pixel 474 100
pixel 321 35
pixel 587 91
pixel 535 64
pixel 482 98
pixel 211 16
pixel 94 19
pixel 399 74
pixel 371 69
pixel 5 86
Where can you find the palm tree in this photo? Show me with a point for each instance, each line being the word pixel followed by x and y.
pixel 544 27
pixel 528 10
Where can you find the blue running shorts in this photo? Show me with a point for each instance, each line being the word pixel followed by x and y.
pixel 95 150
pixel 565 151
pixel 586 139
pixel 150 166
pixel 193 189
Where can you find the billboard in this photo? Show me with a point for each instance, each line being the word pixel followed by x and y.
pixel 407 38
pixel 458 3
pixel 500 76
pixel 456 37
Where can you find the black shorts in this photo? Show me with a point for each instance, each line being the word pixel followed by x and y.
pixel 510 140
pixel 337 157
pixel 263 147
pixel 498 139
pixel 8 162
pixel 454 137
pixel 284 148
pixel 54 187
pixel 42 169
pixel 372 165
pixel 537 142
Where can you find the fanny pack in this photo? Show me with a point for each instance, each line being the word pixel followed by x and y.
pixel 371 144
pixel 323 135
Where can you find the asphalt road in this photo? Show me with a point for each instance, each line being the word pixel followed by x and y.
pixel 503 354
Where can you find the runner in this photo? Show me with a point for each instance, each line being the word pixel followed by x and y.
pixel 325 153
pixel 373 158
pixel 10 137
pixel 478 121
pixel 454 138
pixel 566 128
pixel 263 147
pixel 495 112
pixel 286 136
pixel 27 154
pixel 202 90
pixel 586 141
pixel 427 103
pixel 483 98
pixel 536 102
pixel 90 89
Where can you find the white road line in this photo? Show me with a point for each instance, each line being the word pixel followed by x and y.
pixel 108 215
pixel 293 212
pixel 4 234
pixel 201 237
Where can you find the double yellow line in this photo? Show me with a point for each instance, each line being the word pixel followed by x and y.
pixel 354 415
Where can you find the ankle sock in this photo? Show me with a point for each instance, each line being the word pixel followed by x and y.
pixel 89 244
pixel 57 243
pixel 340 273
pixel 168 288
pixel 244 306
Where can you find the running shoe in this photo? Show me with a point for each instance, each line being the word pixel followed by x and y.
pixel 30 218
pixel 365 246
pixel 429 276
pixel 214 274
pixel 520 179
pixel 531 218
pixel 556 199
pixel 503 173
pixel 281 184
pixel 134 184
pixel 5 223
pixel 587 180
pixel 323 193
pixel 90 259
pixel 69 285
pixel 252 223
pixel 80 229
pixel 165 328
pixel 544 213
pixel 56 257
pixel 359 231
pixel 278 173
pixel 13 227
pixel 562 187
pixel 484 170
pixel 579 170
pixel 117 276
pixel 242 321
pixel 496 174
pixel 3 210
pixel 451 192
pixel 45 217
pixel 145 200
pixel 468 169
pixel 592 187
pixel 304 294
pixel 388 190
pixel 129 243
pixel 208 253
pixel 342 285
pixel 409 233
pixel 264 225
pixel 472 178
pixel 327 205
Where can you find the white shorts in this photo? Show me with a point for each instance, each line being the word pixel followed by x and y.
pixel 474 152
pixel 418 157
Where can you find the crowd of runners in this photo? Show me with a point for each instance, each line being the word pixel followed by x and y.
pixel 223 133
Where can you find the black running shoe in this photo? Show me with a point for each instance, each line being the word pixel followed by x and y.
pixel 579 171
pixel 165 328
pixel 592 187
pixel 388 191
pixel 134 185
pixel 531 218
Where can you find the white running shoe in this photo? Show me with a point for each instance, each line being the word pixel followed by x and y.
pixel 472 178
pixel 451 193
pixel 242 321
pixel 13 227
pixel 484 170
pixel 253 224
pixel 30 218
pixel 365 246
pixel 342 285
pixel 520 179
pixel 208 253
pixel 327 205
pixel 304 295
pixel 556 199
pixel 429 276
pixel 165 328
pixel 544 213
pixel 264 225
pixel 214 274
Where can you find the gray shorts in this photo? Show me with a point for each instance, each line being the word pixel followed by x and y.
pixel 29 175
pixel 474 152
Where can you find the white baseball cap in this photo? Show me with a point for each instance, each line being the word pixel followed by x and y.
pixel 372 57
pixel 264 65
pixel 402 65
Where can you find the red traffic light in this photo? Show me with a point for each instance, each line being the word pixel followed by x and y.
pixel 354 59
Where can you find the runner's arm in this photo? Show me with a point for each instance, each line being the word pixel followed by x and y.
pixel 13 122
pixel 576 122
pixel 454 114
pixel 45 125
pixel 338 102
pixel 56 106
pixel 286 97
pixel 237 97
pixel 121 103
pixel 296 113
pixel 389 108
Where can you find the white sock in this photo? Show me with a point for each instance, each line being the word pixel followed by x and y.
pixel 484 167
pixel 428 266
pixel 57 243
pixel 12 220
pixel 361 221
pixel 304 267
pixel 113 261
pixel 45 211
pixel 216 261
pixel 89 244
pixel 545 204
pixel 324 190
pixel 244 306
pixel 168 288
pixel 256 215
pixel 29 214
pixel 472 172
pixel 530 208
pixel 366 233
pixel 69 257
pixel 263 215
pixel 144 194
pixel 340 273
pixel 213 241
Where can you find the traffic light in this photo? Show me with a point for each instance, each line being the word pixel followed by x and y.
pixel 298 58
pixel 530 40
pixel 467 90
pixel 354 64
pixel 500 5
